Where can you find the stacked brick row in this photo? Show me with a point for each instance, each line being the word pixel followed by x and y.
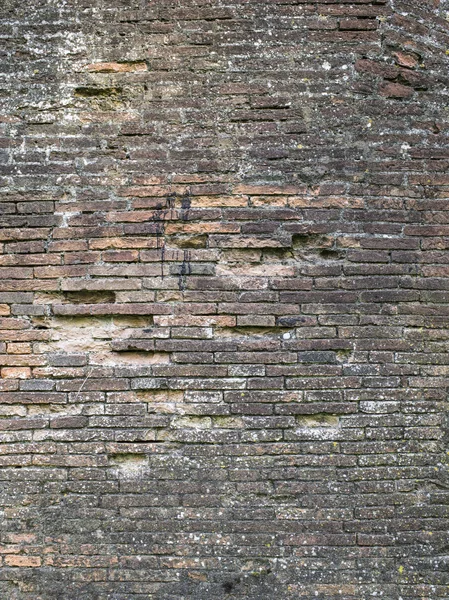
pixel 223 300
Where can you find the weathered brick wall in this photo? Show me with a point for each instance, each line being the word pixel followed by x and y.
pixel 223 296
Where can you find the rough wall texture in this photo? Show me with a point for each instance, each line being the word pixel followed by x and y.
pixel 223 296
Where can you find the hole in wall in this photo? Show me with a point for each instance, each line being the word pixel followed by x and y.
pixel 90 297
pixel 94 92
pixel 318 420
pixel 128 464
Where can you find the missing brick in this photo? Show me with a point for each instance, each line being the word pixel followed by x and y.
pixel 189 241
pixel 318 420
pixel 311 240
pixel 95 92
pixel 128 464
pixel 90 297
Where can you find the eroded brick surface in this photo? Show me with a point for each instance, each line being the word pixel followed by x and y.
pixel 223 299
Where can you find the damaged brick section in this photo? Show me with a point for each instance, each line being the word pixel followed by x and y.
pixel 224 273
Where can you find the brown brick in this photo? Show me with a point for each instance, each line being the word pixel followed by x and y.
pixel 23 561
pixel 16 372
pixel 396 90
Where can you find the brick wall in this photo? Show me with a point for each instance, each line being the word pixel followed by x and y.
pixel 223 299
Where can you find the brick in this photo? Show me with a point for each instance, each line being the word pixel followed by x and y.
pixel 23 561
pixel 223 302
pixel 16 372
pixel 5 310
pixel 405 60
pixel 396 90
